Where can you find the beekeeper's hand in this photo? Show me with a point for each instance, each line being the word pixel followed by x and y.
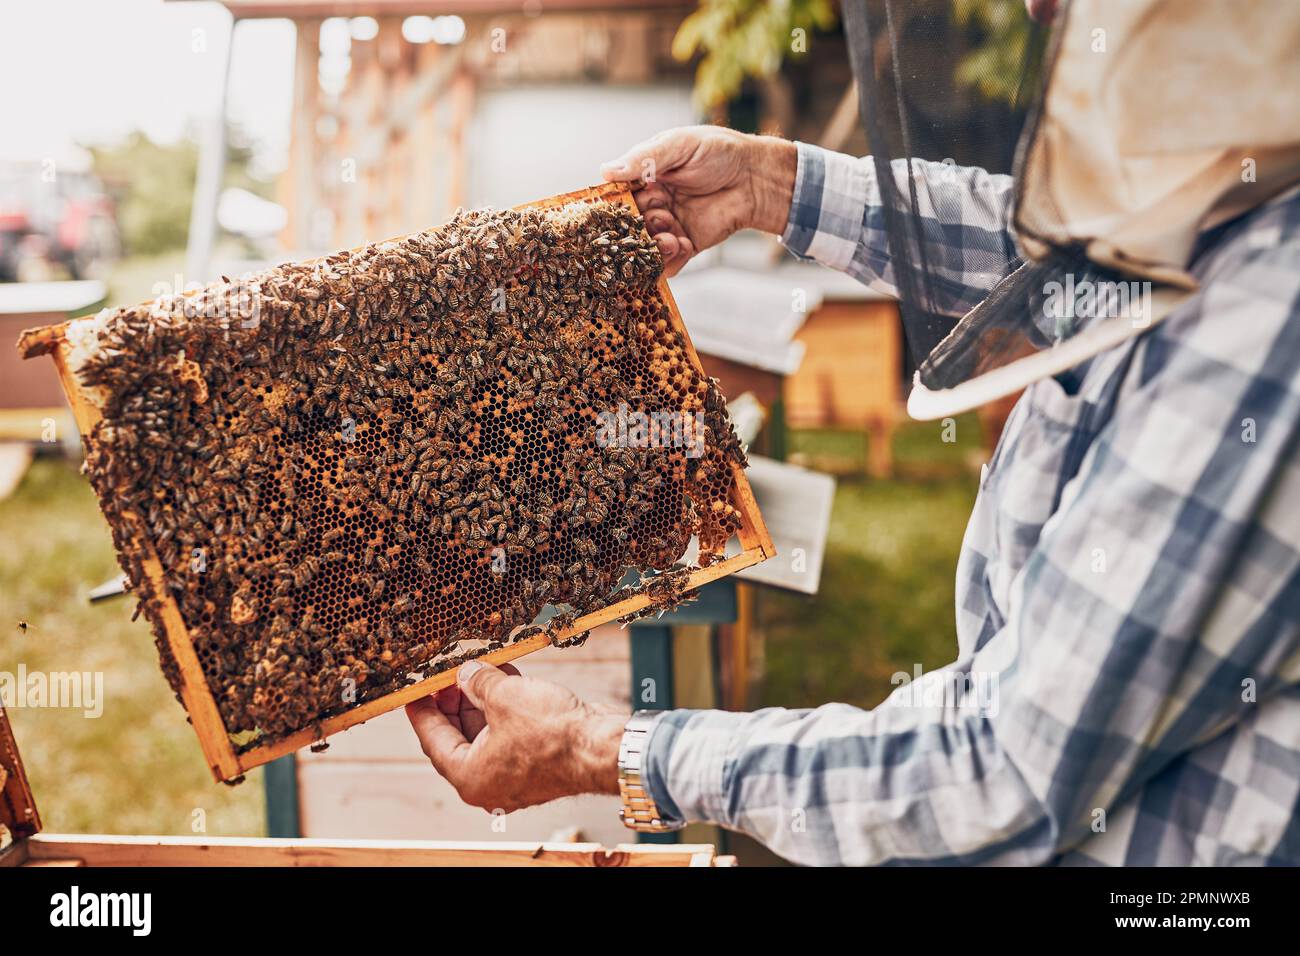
pixel 703 183
pixel 505 741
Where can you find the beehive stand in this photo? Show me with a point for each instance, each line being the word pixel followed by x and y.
pixel 22 844
pixel 226 761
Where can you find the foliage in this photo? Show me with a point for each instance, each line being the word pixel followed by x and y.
pixel 153 185
pixel 738 39
pixel 137 768
pixel 994 64
pixel 887 589
pixel 746 38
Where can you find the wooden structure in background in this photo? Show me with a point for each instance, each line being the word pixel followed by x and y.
pixel 385 153
pixel 225 762
pixel 736 379
pixel 22 844
pixel 817 348
pixel 744 323
pixel 851 375
pixel 61 849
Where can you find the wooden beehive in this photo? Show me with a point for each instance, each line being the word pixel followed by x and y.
pixel 227 758
pixel 23 844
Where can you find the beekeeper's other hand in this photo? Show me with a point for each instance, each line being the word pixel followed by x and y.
pixel 505 741
pixel 703 183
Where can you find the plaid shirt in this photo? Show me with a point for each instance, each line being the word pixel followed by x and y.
pixel 1127 682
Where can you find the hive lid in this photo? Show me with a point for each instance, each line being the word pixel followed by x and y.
pixel 18 816
pixel 772 312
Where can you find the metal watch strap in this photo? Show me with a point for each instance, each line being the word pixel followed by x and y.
pixel 638 811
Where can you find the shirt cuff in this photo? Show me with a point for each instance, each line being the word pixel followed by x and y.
pixel 688 761
pixel 831 194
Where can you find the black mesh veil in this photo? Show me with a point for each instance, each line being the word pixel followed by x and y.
pixel 954 81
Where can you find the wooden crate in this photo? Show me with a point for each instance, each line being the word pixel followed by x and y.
pixel 851 376
pixel 60 849
pixel 225 761
pixel 23 844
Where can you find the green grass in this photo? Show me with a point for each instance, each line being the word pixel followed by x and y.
pixel 137 768
pixel 920 451
pixel 886 597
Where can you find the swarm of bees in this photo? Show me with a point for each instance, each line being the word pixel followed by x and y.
pixel 378 464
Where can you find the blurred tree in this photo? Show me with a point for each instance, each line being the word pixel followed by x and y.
pixel 153 186
pixel 995 63
pixel 739 39
pixel 746 38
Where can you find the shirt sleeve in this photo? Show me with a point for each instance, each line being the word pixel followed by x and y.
pixel 1159 607
pixel 836 218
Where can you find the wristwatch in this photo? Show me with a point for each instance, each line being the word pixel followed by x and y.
pixel 638 811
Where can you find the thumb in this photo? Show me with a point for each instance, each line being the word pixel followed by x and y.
pixel 478 681
pixel 647 160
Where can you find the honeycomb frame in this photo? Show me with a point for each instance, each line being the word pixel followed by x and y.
pixel 227 761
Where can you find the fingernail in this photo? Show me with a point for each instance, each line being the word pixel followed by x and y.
pixel 614 166
pixel 468 670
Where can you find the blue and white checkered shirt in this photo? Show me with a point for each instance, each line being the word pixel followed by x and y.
pixel 1127 682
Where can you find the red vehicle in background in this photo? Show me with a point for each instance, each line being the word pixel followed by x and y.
pixel 54 217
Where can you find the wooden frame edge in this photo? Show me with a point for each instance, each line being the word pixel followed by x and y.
pixel 756 535
pixel 200 705
pixel 265 753
pixel 15 854
pixel 18 811
pixel 113 850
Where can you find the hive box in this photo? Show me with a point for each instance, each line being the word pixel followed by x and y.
pixel 22 843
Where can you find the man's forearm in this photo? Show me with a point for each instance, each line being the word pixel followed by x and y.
pixel 840 785
pixel 836 217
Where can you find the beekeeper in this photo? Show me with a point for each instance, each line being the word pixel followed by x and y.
pixel 1129 583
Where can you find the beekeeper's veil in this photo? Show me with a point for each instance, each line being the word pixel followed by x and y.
pixel 1131 126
